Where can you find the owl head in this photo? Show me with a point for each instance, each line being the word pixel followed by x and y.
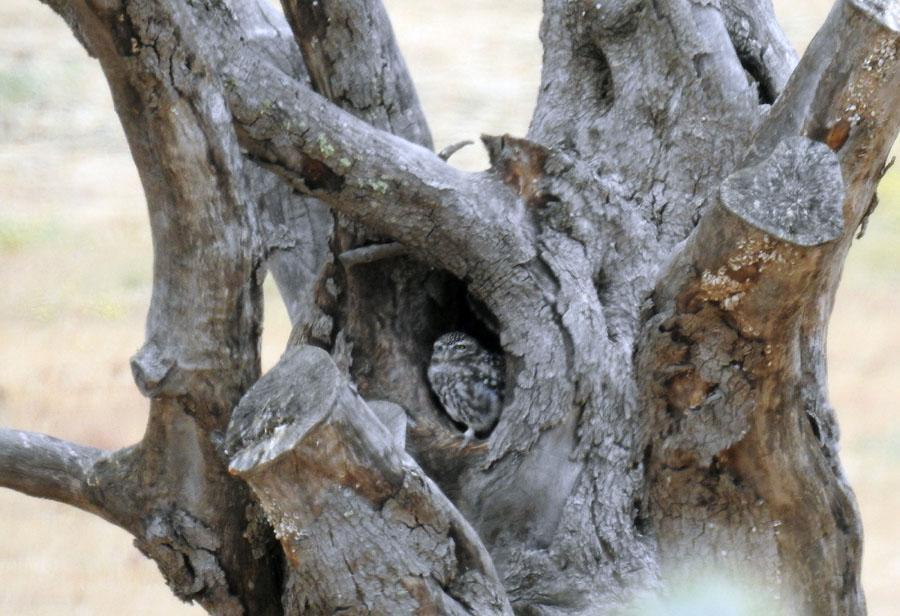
pixel 455 346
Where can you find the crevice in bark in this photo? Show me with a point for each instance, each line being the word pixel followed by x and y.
pixel 756 72
pixel 595 66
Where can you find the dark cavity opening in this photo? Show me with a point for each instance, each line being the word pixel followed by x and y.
pixel 757 75
pixel 465 313
pixel 600 75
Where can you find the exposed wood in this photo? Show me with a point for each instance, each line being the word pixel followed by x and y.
pixel 738 335
pixel 362 526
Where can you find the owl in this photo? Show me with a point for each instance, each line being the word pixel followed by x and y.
pixel 467 380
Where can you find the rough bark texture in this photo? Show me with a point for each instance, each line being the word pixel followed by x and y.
pixel 656 261
pixel 365 529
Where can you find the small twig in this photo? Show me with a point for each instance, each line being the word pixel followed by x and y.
pixel 864 223
pixel 372 253
pixel 452 149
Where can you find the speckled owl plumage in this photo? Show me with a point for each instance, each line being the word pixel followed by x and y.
pixel 468 380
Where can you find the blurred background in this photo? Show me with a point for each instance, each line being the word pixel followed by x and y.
pixel 75 279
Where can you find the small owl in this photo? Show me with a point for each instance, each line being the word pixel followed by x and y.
pixel 467 380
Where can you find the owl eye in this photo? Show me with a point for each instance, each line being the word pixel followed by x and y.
pixel 461 346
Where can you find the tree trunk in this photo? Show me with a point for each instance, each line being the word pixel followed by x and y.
pixel 656 261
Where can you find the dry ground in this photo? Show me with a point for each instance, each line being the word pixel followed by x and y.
pixel 75 263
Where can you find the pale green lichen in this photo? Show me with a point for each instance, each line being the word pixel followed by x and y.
pixel 326 148
pixel 378 186
pixel 345 162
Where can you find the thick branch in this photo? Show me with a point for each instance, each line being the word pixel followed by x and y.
pixel 353 60
pixel 47 467
pixel 295 229
pixel 718 371
pixel 201 351
pixel 732 364
pixel 392 186
pixel 361 524
pixel 844 91
pixel 761 44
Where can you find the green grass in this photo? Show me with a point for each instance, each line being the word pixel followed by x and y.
pixel 20 234
pixel 18 85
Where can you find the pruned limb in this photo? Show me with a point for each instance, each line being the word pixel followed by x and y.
pixel 47 467
pixel 796 194
pixel 719 370
pixel 733 360
pixel 843 92
pixel 363 528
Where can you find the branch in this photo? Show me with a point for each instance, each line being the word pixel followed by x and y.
pixel 361 524
pixel 394 188
pixel 844 93
pixel 755 254
pixel 201 351
pixel 761 44
pixel 390 185
pixel 295 229
pixel 47 467
pixel 732 361
pixel 353 60
pixel 372 253
pixel 794 188
pixel 295 232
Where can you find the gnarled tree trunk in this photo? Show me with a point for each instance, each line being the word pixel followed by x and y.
pixel 656 260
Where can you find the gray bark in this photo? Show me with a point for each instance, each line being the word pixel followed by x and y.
pixel 656 261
